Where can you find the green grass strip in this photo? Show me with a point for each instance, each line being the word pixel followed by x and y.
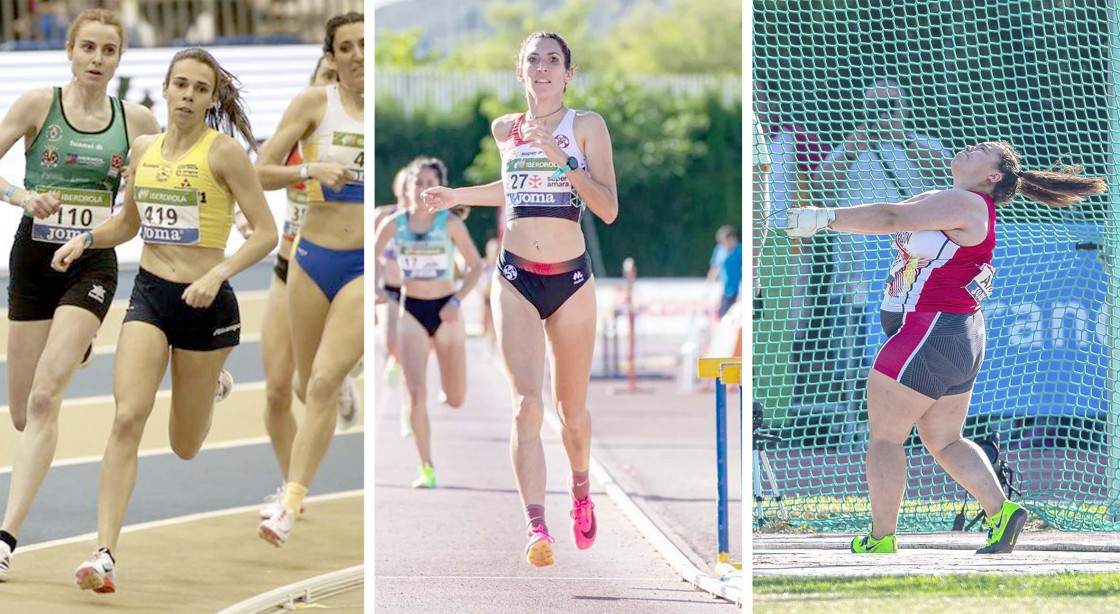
pixel 1061 584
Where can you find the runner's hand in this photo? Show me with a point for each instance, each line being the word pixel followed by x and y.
pixel 40 205
pixel 535 134
pixel 201 293
pixel 449 313
pixel 331 174
pixel 68 253
pixel 439 198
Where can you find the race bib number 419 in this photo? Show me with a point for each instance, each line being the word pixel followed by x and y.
pixel 79 210
pixel 168 216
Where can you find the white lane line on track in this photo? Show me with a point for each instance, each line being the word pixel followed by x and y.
pixel 534 579
pixel 672 554
pixel 106 351
pixel 221 445
pixel 161 394
pixel 155 524
pixel 306 593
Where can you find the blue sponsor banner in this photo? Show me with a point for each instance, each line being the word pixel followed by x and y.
pixel 1047 343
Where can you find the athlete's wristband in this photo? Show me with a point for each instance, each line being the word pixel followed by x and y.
pixel 454 300
pixel 9 192
pixel 88 234
pixel 305 171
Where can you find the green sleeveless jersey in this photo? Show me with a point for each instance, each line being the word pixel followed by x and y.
pixel 61 156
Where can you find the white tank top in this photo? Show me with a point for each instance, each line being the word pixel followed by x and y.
pixel 339 139
pixel 531 190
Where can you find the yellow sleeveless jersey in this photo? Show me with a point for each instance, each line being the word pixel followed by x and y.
pixel 180 201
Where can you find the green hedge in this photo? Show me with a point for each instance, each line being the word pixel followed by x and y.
pixel 678 160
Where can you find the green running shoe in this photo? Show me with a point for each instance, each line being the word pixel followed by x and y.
pixel 1004 529
pixel 427 477
pixel 867 545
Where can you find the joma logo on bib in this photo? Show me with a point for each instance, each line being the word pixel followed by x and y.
pixel 169 235
pixel 529 198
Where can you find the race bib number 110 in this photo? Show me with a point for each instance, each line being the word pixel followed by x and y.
pixel 79 210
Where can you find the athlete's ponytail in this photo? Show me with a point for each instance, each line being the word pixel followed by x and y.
pixel 1056 187
pixel 227 114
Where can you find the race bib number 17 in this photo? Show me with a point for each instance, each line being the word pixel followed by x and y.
pixel 79 210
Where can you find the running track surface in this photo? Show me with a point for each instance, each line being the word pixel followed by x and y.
pixel 224 485
pixel 459 547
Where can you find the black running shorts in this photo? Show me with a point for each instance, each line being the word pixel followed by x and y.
pixel 160 303
pixel 35 290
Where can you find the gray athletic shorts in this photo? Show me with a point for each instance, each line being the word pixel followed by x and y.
pixel 935 353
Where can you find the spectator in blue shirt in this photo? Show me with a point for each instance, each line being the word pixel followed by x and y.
pixel 727 266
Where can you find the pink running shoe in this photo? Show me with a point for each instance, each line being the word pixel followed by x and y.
pixel 539 550
pixel 584 526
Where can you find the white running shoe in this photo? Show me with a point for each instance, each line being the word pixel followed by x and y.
pixel 276 529
pixel 225 386
pixel 98 574
pixel 5 561
pixel 392 372
pixel 272 505
pixel 349 400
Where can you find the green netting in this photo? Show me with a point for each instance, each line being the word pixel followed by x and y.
pixel 1038 74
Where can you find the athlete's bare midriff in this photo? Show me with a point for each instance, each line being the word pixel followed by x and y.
pixel 334 225
pixel 544 239
pixel 182 264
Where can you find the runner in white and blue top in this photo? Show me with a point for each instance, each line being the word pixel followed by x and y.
pixel 556 163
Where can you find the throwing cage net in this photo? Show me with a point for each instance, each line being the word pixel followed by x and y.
pixel 867 101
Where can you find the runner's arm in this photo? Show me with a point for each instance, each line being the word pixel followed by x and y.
pixel 463 242
pixel 123 226
pixel 21 120
pixel 596 185
pixel 236 172
pixel 385 231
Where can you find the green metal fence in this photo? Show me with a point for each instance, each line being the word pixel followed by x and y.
pixel 932 77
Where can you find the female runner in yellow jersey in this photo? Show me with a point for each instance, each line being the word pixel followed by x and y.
pixel 325 293
pixel 182 310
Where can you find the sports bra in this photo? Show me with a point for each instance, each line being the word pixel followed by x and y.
pixel 181 202
pixel 531 190
pixel 341 139
pixel 424 256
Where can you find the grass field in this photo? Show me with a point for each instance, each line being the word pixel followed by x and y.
pixel 959 594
